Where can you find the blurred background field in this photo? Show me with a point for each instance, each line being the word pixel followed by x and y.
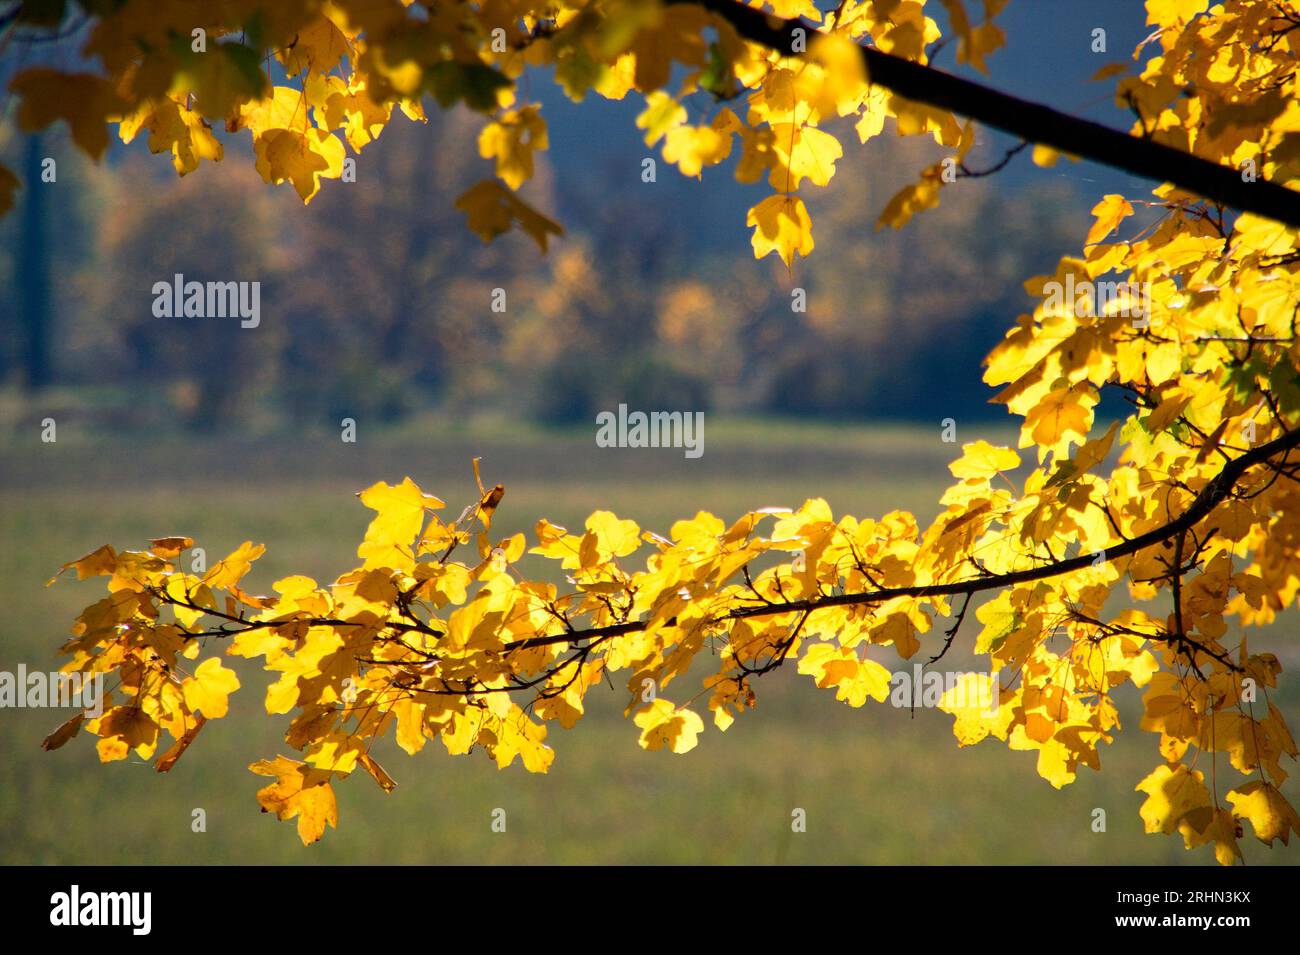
pixel 879 785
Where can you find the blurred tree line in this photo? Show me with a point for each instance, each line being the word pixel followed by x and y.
pixel 375 298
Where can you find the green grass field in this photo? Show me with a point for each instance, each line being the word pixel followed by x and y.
pixel 878 784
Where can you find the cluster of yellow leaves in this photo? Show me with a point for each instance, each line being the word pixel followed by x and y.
pixel 480 656
pixel 791 99
pixel 159 688
pixel 1190 316
pixel 345 66
pixel 1193 319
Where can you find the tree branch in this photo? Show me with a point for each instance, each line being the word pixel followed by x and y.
pixel 1205 501
pixel 1031 121
pixel 585 640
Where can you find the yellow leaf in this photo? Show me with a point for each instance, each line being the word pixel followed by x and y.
pixel 1045 156
pixel 1059 419
pixel 99 562
pixel 899 630
pixel 317 47
pixel 612 537
pixel 1270 815
pixel 792 9
pixel 377 773
pixel 842 75
pixel 351 107
pixel 974 42
pixel 781 225
pixel 802 152
pixel 874 110
pixel 974 702
pixel 169 548
pixel 855 680
pixel 124 728
pixel 511 140
pixel 301 158
pixel 186 589
pixel 1110 212
pixel 174 127
pixel 390 538
pixel 410 725
pixel 1177 801
pixel 981 460
pixel 910 200
pixel 1169 13
pixel 691 148
pixel 663 724
pixel 284 108
pixel 209 688
pixel 492 209
pixel 661 114
pixel 517 735
pixel 232 569
pixel 83 100
pixel 168 759
pixel 337 751
pixel 298 791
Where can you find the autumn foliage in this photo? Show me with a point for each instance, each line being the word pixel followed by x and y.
pixel 1186 512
